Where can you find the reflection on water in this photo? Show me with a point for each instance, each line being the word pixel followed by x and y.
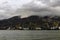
pixel 30 35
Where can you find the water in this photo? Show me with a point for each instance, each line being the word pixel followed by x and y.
pixel 29 35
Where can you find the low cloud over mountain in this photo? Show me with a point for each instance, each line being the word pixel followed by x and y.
pixel 25 8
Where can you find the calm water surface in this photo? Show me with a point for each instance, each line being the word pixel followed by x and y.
pixel 29 35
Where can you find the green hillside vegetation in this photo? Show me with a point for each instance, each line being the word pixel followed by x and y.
pixel 33 22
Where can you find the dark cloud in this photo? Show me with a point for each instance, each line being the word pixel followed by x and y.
pixel 34 9
pixel 27 8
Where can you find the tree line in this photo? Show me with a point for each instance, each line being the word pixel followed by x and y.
pixel 31 22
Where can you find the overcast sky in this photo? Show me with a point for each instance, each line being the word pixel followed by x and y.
pixel 25 8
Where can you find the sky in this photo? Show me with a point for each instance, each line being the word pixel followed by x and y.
pixel 25 8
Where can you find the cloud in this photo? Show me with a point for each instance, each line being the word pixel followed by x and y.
pixel 40 7
pixel 8 7
pixel 26 8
